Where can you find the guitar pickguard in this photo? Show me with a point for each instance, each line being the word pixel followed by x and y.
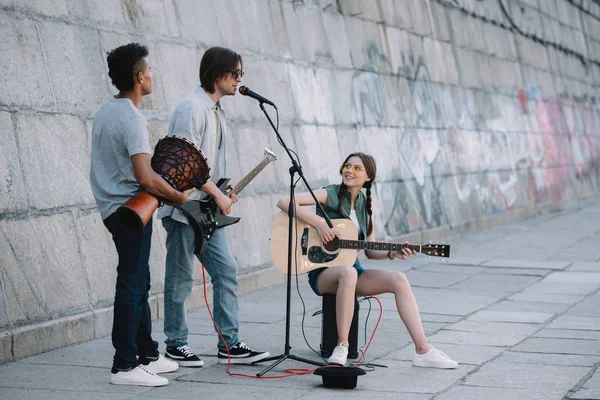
pixel 317 255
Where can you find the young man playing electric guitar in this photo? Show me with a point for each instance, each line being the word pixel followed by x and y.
pixel 200 118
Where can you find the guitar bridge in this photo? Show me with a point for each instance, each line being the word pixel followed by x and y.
pixel 304 241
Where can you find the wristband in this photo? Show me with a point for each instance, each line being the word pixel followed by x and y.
pixel 389 255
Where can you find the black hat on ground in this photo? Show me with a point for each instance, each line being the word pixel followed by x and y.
pixel 339 377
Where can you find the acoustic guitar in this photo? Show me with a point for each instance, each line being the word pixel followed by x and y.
pixel 309 252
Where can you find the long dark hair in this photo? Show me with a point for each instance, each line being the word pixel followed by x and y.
pixel 371 169
pixel 216 62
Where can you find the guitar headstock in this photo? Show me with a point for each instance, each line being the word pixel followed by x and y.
pixel 269 155
pixel 436 250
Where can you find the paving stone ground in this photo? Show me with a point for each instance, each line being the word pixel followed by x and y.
pixel 517 306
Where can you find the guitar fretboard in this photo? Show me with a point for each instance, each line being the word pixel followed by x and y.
pixel 251 175
pixel 383 246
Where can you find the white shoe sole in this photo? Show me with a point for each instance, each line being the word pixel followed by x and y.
pixel 189 364
pixel 244 360
pixel 336 363
pixel 435 365
pixel 145 384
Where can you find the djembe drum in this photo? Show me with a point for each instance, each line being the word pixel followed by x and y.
pixel 178 161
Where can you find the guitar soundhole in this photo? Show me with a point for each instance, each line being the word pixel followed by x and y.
pixel 333 245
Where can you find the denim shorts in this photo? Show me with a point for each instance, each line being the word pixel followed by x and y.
pixel 313 276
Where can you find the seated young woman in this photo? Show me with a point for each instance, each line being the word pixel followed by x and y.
pixel 347 200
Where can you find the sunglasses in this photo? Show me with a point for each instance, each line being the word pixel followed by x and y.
pixel 354 168
pixel 237 74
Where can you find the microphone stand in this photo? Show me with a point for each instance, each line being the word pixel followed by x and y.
pixel 295 168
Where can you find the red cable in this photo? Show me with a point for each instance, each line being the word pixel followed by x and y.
pixel 372 334
pixel 290 371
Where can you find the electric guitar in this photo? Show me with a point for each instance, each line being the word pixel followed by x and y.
pixel 309 252
pixel 205 216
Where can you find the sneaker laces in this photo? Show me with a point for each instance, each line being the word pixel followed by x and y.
pixel 440 354
pixel 338 352
pixel 186 351
pixel 144 370
pixel 243 346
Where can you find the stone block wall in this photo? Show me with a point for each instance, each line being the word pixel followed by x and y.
pixel 478 112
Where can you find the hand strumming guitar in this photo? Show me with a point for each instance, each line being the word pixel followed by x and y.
pixel 231 194
pixel 326 233
pixel 223 202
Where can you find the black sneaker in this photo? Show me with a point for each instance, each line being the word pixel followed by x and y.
pixel 242 354
pixel 184 356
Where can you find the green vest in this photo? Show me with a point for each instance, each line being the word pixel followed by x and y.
pixel 332 208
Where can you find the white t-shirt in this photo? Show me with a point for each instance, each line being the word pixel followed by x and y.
pixel 355 219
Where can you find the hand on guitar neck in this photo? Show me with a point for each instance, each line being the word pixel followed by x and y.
pixel 407 251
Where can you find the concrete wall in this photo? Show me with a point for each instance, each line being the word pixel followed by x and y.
pixel 478 112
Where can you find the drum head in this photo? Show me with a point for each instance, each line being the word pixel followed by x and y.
pixel 180 162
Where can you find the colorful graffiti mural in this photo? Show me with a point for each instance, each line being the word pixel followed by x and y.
pixel 470 153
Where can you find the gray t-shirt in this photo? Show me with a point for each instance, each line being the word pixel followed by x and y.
pixel 119 132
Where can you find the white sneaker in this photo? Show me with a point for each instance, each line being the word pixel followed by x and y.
pixel 434 358
pixel 137 376
pixel 161 366
pixel 339 356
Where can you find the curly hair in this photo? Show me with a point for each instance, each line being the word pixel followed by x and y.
pixel 371 169
pixel 216 62
pixel 124 62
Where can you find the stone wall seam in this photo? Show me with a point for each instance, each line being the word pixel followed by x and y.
pixel 37 29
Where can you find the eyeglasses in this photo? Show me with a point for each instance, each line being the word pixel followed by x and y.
pixel 237 74
pixel 355 168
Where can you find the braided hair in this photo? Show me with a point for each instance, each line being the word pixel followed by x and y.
pixel 371 169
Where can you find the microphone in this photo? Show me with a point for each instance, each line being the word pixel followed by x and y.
pixel 247 92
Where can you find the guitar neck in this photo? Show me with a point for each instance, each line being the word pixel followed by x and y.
pixel 251 175
pixel 381 246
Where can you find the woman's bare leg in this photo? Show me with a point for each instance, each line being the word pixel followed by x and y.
pixel 373 282
pixel 340 281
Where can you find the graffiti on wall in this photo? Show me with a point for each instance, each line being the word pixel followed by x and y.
pixel 368 98
pixel 466 154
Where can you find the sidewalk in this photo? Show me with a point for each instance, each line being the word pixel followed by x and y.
pixel 518 306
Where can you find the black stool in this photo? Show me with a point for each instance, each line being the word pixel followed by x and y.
pixel 329 336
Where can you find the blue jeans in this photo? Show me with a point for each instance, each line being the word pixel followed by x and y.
pixel 132 323
pixel 221 267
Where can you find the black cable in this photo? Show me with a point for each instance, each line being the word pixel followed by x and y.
pixel 584 60
pixel 368 314
pixel 297 157
pixel 301 298
pixel 294 225
pixel 371 366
